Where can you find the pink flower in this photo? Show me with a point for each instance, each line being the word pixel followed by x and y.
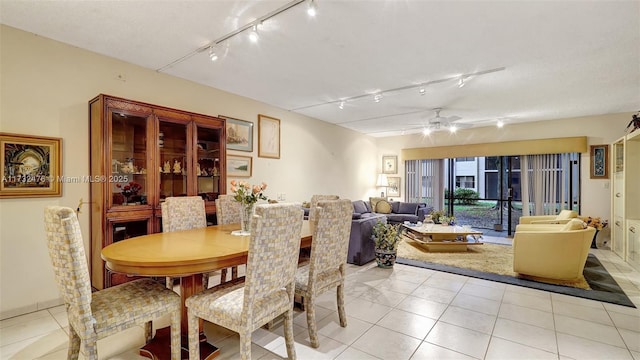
pixel 233 183
pixel 256 189
pixel 234 188
pixel 264 186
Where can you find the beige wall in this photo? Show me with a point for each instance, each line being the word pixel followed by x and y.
pixel 44 89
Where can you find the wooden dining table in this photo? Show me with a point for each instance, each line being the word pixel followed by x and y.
pixel 186 255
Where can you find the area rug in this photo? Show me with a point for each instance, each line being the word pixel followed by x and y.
pixel 495 263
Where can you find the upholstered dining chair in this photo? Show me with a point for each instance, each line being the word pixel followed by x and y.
pixel 326 268
pixel 314 203
pixel 183 213
pixel 268 289
pixel 228 212
pixel 93 316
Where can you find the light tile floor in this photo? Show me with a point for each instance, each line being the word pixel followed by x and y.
pixel 403 313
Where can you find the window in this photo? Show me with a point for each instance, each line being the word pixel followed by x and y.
pixel 466 182
pixel 463 159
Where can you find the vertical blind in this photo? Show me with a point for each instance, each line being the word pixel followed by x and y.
pixel 545 183
pixel 424 182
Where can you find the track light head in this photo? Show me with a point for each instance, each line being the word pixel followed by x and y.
pixel 461 82
pixel 377 97
pixel 341 105
pixel 213 54
pixel 422 90
pixel 312 10
pixel 253 35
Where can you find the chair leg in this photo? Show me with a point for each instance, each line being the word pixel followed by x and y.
pixel 91 348
pixel 176 351
pixel 234 272
pixel 223 276
pixel 194 335
pixel 74 344
pixel 340 299
pixel 311 320
pixel 148 331
pixel 245 345
pixel 169 283
pixel 205 281
pixel 288 334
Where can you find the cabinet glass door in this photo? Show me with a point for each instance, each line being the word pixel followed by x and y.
pixel 172 142
pixel 208 162
pixel 128 180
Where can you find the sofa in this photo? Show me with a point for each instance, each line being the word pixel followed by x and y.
pixel 397 212
pixel 552 251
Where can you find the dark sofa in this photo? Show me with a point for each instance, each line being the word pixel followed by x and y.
pixel 361 249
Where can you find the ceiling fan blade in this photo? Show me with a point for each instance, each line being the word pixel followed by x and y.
pixel 452 118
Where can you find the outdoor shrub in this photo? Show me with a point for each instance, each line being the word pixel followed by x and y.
pixel 463 196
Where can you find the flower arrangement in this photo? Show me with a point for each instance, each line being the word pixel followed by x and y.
pixel 131 189
pixel 246 194
pixel 436 215
pixel 594 222
pixel 447 220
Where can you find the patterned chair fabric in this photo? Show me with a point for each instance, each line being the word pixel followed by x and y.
pixel 268 290
pixel 228 212
pixel 314 204
pixel 93 316
pixel 183 213
pixel 326 268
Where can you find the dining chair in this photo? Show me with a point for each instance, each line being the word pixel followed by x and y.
pixel 268 289
pixel 326 267
pixel 228 212
pixel 93 316
pixel 314 203
pixel 183 213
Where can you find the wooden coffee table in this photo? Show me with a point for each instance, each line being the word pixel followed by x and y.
pixel 443 238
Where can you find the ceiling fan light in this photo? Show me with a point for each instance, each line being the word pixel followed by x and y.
pixel 426 131
pixel 453 128
pixel 312 10
pixel 500 123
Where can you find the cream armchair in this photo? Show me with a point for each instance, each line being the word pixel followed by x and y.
pixel 562 218
pixel 554 253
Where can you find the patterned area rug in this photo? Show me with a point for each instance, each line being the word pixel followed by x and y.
pixel 495 262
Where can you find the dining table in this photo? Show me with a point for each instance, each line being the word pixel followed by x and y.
pixel 186 255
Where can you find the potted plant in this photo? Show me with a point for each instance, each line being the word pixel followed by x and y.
pixel 436 215
pixel 386 238
pixel 447 220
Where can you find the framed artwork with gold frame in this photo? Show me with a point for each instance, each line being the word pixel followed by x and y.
pixel 390 164
pixel 30 166
pixel 239 166
pixel 268 137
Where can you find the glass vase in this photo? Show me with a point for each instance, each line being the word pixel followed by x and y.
pixel 246 216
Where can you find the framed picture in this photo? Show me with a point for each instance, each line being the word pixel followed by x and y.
pixel 268 137
pixel 239 166
pixel 390 164
pixel 599 162
pixel 394 186
pixel 30 166
pixel 239 134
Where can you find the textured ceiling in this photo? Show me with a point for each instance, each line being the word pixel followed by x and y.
pixel 555 59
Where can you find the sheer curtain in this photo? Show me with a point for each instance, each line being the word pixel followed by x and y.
pixel 545 180
pixel 425 183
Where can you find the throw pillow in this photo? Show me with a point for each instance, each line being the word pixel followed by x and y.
pixel 574 224
pixel 374 201
pixel 383 207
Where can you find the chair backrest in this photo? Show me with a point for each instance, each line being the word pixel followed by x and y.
pixel 66 250
pixel 314 204
pixel 566 214
pixel 228 210
pixel 274 248
pixel 330 242
pixel 183 213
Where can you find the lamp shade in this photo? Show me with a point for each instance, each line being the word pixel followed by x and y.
pixel 382 180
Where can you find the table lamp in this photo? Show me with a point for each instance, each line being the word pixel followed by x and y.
pixel 382 182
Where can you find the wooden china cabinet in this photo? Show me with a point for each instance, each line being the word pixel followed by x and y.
pixel 140 155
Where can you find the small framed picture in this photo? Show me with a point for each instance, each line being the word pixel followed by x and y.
pixel 30 165
pixel 394 186
pixel 239 134
pixel 268 137
pixel 599 161
pixel 390 164
pixel 239 166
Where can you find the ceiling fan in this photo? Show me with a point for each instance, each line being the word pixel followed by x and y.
pixel 440 123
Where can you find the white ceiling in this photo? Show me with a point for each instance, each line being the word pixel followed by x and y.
pixel 561 59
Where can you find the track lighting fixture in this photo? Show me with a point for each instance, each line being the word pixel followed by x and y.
pixel 377 97
pixel 341 105
pixel 213 55
pixel 253 34
pixel 312 10
pixel 422 90
pixel 461 82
